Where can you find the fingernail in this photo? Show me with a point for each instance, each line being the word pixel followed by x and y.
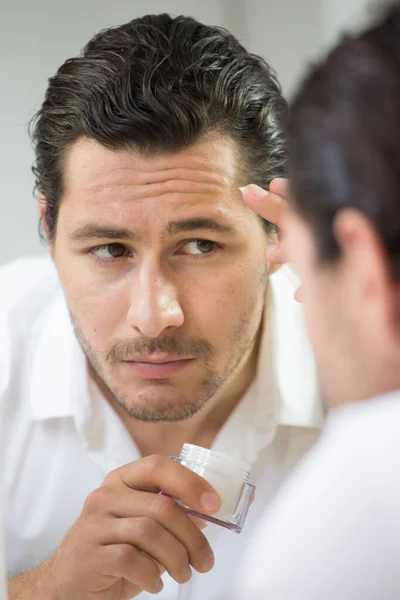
pixel 257 190
pixel 242 189
pixel 187 574
pixel 209 501
pixel 208 561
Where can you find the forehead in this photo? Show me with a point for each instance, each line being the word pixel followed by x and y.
pixel 101 176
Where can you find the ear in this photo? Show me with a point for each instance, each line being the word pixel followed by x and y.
pixel 41 199
pixel 42 205
pixel 365 265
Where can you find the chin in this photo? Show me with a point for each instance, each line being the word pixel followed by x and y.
pixel 168 413
pixel 158 406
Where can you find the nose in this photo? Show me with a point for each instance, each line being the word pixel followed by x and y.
pixel 154 306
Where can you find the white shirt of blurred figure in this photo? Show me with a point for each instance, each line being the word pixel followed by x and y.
pixel 333 531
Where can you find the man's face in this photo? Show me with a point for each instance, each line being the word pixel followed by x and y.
pixel 163 270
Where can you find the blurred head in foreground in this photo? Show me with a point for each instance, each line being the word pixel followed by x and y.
pixel 343 225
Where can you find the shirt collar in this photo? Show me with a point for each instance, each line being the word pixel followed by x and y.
pixel 294 365
pixel 58 384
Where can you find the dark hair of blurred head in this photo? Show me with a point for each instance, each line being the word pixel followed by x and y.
pixel 345 137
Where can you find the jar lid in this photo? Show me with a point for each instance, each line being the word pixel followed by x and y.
pixel 212 458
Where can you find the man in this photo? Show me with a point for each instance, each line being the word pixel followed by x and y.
pixel 334 530
pixel 167 329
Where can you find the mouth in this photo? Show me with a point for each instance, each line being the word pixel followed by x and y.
pixel 157 366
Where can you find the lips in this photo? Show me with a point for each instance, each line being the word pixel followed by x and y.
pixel 157 366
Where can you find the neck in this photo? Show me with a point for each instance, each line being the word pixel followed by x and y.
pixel 202 428
pixel 378 373
pixel 366 392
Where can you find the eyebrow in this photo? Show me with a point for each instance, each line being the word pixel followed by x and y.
pixel 89 231
pixel 197 223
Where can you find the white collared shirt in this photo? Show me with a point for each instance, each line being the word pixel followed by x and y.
pixel 60 437
pixel 333 530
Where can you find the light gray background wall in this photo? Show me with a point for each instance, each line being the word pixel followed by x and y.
pixel 36 37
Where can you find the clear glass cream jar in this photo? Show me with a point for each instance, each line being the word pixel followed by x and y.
pixel 230 479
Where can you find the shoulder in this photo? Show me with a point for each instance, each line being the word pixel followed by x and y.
pixel 21 277
pixel 368 431
pixel 355 456
pixel 334 528
pixel 26 287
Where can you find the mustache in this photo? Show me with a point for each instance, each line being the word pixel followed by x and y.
pixel 192 347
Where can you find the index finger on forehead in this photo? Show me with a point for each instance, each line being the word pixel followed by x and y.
pixel 159 473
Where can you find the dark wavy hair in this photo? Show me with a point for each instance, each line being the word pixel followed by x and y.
pixel 157 84
pixel 345 137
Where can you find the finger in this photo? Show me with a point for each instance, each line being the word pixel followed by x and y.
pixel 200 523
pixel 161 509
pixel 279 186
pixel 275 253
pixel 123 561
pixel 268 205
pixel 154 540
pixel 159 473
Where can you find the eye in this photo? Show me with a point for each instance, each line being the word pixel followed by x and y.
pixel 199 247
pixel 110 251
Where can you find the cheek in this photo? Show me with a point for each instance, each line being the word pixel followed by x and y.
pixel 99 305
pixel 102 311
pixel 320 305
pixel 216 306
